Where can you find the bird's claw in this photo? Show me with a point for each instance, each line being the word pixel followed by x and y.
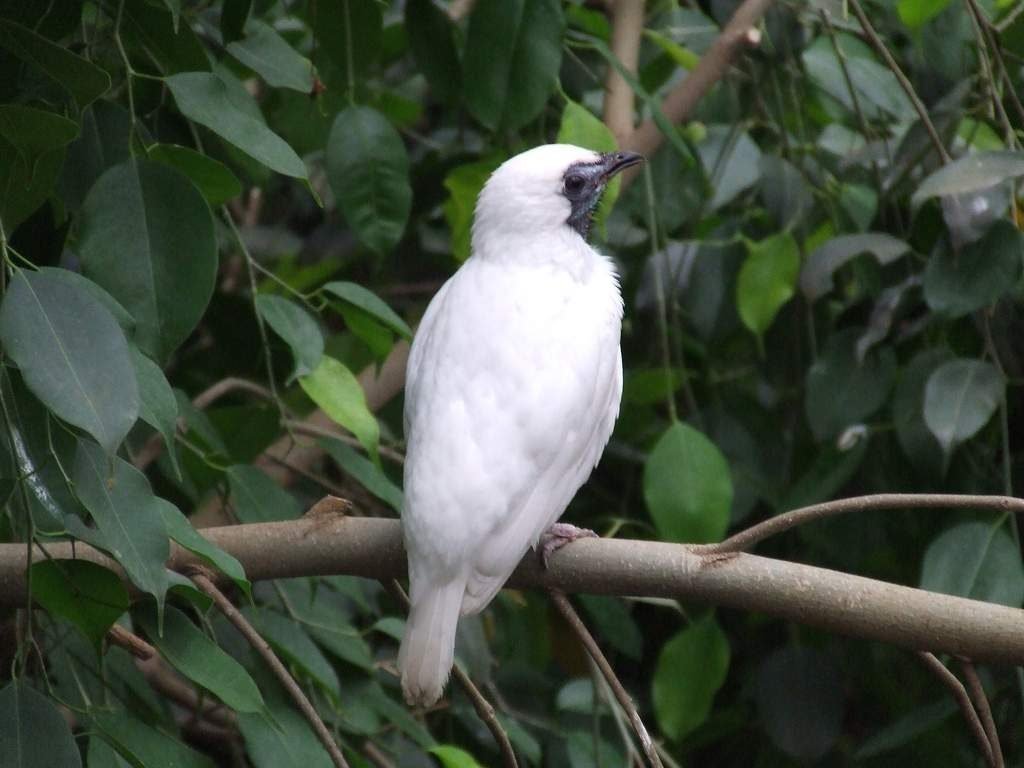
pixel 557 536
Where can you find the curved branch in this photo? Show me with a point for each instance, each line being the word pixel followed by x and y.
pixel 747 538
pixel 830 600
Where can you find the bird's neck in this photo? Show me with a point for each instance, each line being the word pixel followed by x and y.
pixel 556 249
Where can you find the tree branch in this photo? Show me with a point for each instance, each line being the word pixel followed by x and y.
pixel 627 29
pixel 980 700
pixel 830 600
pixel 261 647
pixel 621 694
pixel 712 67
pixel 959 693
pixel 747 538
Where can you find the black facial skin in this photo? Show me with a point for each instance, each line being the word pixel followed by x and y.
pixel 583 184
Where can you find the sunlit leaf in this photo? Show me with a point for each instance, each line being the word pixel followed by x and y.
pixel 766 280
pixel 334 388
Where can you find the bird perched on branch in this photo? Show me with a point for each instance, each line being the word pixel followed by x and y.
pixel 512 389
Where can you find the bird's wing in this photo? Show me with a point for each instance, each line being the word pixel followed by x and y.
pixel 422 342
pixel 511 401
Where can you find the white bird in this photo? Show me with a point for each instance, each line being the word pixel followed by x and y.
pixel 512 389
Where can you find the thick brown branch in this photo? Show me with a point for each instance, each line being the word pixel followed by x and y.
pixel 747 538
pixel 621 694
pixel 627 30
pixel 714 64
pixel 834 601
pixel 261 647
pixel 959 693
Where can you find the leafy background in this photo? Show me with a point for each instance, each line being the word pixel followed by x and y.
pixel 816 305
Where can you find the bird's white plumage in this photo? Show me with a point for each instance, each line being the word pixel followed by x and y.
pixel 512 389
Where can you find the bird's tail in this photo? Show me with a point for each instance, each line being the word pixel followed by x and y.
pixel 428 647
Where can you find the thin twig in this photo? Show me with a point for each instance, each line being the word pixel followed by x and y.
pixel 483 707
pixel 576 623
pixel 905 84
pixel 167 683
pixel 261 646
pixel 993 44
pixel 376 756
pixel 335 433
pixel 745 539
pixel 956 688
pixel 977 692
pixel 225 386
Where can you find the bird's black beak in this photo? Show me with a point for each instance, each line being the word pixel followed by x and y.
pixel 614 162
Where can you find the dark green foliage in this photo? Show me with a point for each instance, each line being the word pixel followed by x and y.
pixel 816 306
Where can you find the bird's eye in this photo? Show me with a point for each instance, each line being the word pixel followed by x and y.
pixel 574 185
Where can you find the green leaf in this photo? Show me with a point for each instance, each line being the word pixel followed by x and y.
pixel 842 390
pixel 156 35
pixel 26 185
pixel 158 406
pixel 453 757
pixel 34 132
pixel 691 668
pixel 102 755
pixel 127 514
pixel 258 499
pixel 72 354
pixel 364 471
pixel 917 441
pixel 511 62
pixel 766 280
pixel 464 183
pixel 79 77
pixel 371 303
pixel 297 328
pixel 88 595
pixel 820 267
pixel 687 486
pixel 580 127
pixel 915 13
pixel 106 130
pixel 800 702
pixel 368 170
pixel 201 660
pixel 33 732
pixel 270 56
pixel 877 90
pixel 432 35
pixel 614 624
pixel 291 641
pixel 81 283
pixel 349 32
pixel 143 745
pixel 204 98
pixel 283 739
pixel 211 177
pixel 970 173
pixel 906 729
pixel 959 399
pixel 181 531
pixel 976 560
pixel 958 283
pixel 682 56
pixel 137 221
pixel 336 390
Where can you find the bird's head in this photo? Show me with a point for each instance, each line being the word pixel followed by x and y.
pixel 547 190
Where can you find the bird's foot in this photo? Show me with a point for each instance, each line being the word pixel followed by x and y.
pixel 557 536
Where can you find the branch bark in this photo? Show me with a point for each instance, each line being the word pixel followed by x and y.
pixel 837 602
pixel 627 29
pixel 712 67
